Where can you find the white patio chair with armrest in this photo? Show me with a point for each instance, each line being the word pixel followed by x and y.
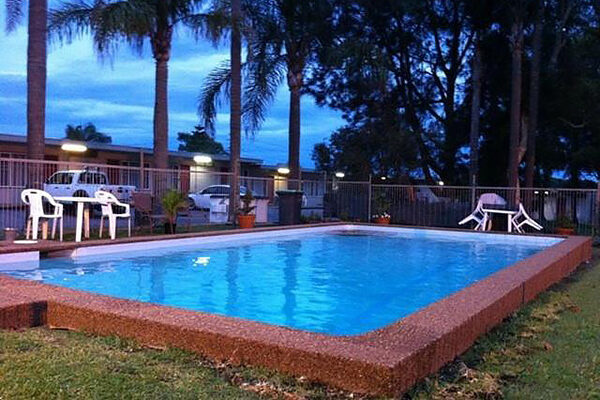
pixel 34 198
pixel 525 220
pixel 479 216
pixel 491 199
pixel 108 204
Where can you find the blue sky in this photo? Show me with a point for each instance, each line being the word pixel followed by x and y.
pixel 118 96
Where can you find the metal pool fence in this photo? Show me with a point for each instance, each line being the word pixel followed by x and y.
pixel 435 206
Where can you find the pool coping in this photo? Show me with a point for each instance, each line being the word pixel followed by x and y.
pixel 386 361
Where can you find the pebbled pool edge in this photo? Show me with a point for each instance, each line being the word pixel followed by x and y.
pixel 386 361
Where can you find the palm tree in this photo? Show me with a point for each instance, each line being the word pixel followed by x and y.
pixel 36 69
pixel 235 108
pixel 86 133
pixel 112 22
pixel 283 38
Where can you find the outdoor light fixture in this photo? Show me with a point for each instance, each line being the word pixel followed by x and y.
pixel 283 171
pixel 441 183
pixel 74 147
pixel 202 159
pixel 383 178
pixel 340 175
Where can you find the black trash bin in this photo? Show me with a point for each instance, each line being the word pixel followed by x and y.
pixel 290 206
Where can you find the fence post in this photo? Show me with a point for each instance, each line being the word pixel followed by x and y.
pixel 142 181
pixel 369 201
pixel 473 187
pixel 596 225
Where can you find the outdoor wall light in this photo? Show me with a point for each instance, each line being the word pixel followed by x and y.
pixel 441 183
pixel 383 178
pixel 283 171
pixel 340 175
pixel 74 147
pixel 202 159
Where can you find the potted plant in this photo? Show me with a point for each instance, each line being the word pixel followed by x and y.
pixel 246 220
pixel 383 218
pixel 565 225
pixel 172 203
pixel 381 208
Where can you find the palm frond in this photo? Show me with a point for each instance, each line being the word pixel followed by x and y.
pixel 109 22
pixel 131 21
pixel 216 88
pixel 262 78
pixel 211 25
pixel 14 14
pixel 70 20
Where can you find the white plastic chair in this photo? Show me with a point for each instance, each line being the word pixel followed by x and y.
pixel 108 200
pixel 491 199
pixel 525 220
pixel 34 198
pixel 479 216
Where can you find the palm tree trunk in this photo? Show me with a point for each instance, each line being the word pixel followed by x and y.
pixel 294 83
pixel 36 78
pixel 161 114
pixel 515 106
pixel 236 110
pixel 475 114
pixel 294 138
pixel 534 94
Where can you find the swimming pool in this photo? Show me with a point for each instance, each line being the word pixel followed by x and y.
pixel 335 280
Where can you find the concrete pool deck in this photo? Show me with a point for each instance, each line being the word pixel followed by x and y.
pixel 387 361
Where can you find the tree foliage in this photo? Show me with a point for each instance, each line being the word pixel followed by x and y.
pixel 86 133
pixel 198 141
pixel 403 71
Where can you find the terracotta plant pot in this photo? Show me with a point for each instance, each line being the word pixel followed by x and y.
pixel 382 220
pixel 565 231
pixel 246 221
pixel 10 234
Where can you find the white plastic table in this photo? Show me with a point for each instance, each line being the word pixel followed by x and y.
pixel 509 214
pixel 81 202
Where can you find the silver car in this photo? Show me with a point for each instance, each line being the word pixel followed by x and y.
pixel 201 199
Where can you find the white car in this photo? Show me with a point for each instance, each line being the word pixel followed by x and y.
pixel 201 199
pixel 84 183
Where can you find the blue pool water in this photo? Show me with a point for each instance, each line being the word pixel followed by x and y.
pixel 323 282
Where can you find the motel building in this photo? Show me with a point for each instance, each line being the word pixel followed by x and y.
pixel 132 166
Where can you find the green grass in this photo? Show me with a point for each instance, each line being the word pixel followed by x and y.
pixel 548 350
pixel 40 363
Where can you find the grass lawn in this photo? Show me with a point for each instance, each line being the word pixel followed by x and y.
pixel 548 350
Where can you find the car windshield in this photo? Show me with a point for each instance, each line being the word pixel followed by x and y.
pixel 61 178
pixel 222 190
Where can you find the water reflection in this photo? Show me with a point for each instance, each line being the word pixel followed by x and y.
pixel 290 252
pixel 157 284
pixel 231 277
